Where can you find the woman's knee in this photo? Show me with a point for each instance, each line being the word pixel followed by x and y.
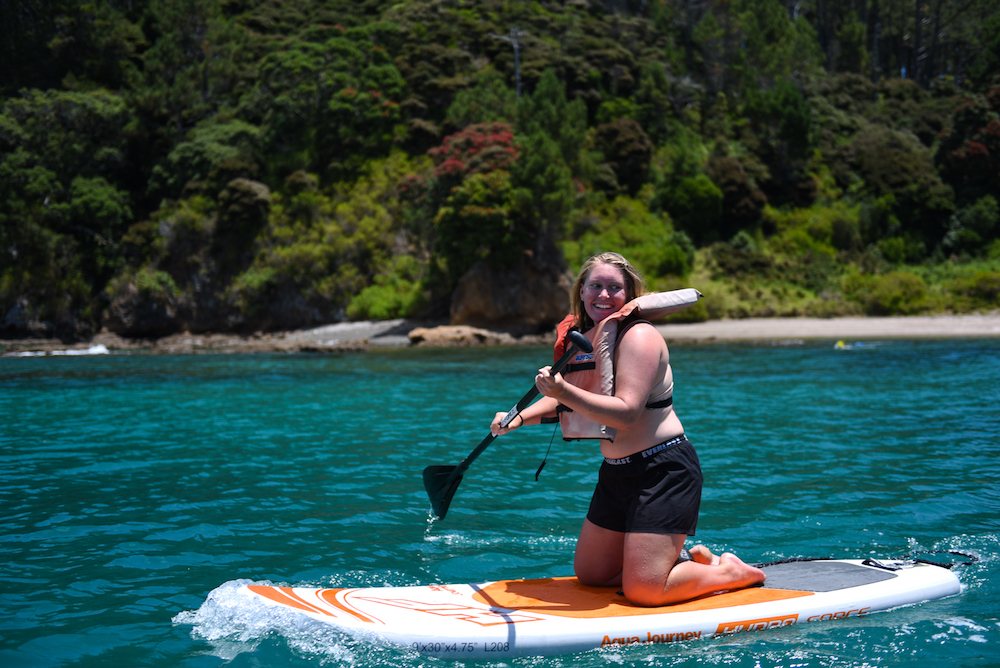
pixel 596 573
pixel 598 557
pixel 647 593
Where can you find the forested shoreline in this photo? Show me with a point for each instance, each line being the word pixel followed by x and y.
pixel 255 165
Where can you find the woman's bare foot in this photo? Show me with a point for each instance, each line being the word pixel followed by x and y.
pixel 744 574
pixel 703 555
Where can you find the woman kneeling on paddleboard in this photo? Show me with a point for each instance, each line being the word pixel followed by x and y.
pixel 649 487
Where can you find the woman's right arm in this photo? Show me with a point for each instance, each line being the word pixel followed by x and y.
pixel 533 414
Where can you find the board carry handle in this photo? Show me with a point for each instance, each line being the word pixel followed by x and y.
pixel 442 481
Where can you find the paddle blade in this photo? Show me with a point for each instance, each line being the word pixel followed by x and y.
pixel 441 485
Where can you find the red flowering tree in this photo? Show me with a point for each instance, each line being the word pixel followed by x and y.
pixel 969 157
pixel 464 208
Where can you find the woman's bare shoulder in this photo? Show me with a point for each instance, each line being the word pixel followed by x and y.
pixel 641 336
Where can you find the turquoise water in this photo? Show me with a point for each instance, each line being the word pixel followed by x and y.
pixel 132 487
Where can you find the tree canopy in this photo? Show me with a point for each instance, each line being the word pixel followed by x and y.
pixel 256 164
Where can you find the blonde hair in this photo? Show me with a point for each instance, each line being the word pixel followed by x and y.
pixel 635 286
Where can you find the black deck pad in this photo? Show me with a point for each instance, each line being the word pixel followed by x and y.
pixel 821 575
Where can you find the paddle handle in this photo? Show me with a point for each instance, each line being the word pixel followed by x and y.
pixel 577 341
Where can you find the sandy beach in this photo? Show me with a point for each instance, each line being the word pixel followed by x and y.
pixel 366 335
pixel 394 333
pixel 860 328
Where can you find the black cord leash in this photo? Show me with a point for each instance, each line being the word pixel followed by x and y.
pixel 972 559
pixel 545 458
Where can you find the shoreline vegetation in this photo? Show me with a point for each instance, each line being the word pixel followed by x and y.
pixel 402 333
pixel 240 166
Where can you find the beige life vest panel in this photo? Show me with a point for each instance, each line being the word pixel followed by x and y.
pixel 595 371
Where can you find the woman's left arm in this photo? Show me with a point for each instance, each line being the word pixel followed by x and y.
pixel 639 354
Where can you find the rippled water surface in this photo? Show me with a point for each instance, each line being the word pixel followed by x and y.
pixel 132 487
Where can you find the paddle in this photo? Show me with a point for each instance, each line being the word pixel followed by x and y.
pixel 442 481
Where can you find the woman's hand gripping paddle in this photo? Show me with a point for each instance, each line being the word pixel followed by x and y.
pixel 442 481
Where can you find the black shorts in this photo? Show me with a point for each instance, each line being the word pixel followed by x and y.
pixel 657 490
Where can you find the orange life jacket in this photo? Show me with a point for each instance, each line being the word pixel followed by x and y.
pixel 595 371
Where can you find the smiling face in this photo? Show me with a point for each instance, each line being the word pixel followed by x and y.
pixel 604 292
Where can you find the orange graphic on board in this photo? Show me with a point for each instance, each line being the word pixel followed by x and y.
pixel 566 597
pixel 728 628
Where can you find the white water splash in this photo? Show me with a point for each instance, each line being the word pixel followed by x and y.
pixel 99 349
pixel 233 621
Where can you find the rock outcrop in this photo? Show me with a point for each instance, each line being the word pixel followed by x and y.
pixel 452 336
pixel 525 300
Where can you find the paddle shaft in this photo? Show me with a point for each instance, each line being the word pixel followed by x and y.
pixel 575 343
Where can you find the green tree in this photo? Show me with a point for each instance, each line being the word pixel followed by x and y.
pixel 774 47
pixel 899 170
pixel 475 223
pixel 984 68
pixel 490 100
pixel 625 225
pixel 683 189
pixel 654 107
pixel 551 132
pixel 971 228
pixel 211 156
pixel 327 101
pixel 628 150
pixel 543 194
pixel 710 61
pixel 851 38
pixel 195 58
pixel 45 44
pixel 99 213
pixel 783 117
pixel 62 213
pixel 547 111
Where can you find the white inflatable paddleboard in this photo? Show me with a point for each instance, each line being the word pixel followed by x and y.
pixel 559 615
